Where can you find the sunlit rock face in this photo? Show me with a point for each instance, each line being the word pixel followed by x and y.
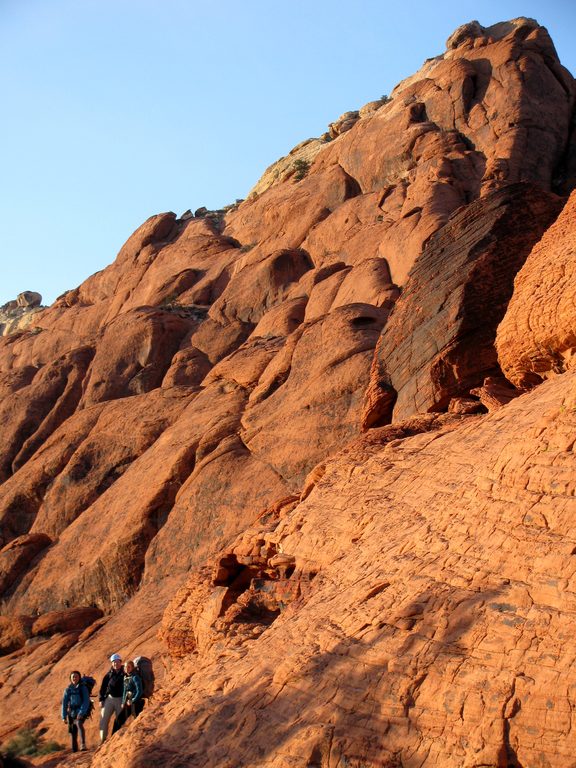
pixel 19 313
pixel 286 449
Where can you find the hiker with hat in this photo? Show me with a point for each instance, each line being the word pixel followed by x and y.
pixel 111 692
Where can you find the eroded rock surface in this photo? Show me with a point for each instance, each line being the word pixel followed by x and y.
pixel 423 621
pixel 537 337
pixel 168 427
pixel 439 341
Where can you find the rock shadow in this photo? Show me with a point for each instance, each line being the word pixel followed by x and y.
pixel 350 706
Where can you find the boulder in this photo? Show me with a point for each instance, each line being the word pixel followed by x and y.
pixel 65 621
pixel 29 299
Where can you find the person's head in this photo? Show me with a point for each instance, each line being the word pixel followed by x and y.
pixel 75 677
pixel 129 667
pixel 116 660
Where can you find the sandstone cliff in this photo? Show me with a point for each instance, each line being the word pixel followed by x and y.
pixel 257 447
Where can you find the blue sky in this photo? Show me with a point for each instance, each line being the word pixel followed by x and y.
pixel 114 110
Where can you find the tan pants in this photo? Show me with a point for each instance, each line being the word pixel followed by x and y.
pixel 112 706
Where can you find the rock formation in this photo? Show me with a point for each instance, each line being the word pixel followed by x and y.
pixel 256 447
pixel 537 337
pixel 19 313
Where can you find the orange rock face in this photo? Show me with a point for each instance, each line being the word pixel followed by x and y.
pixel 424 620
pixel 439 341
pixel 183 472
pixel 537 337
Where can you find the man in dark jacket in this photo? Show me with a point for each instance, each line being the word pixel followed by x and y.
pixel 111 692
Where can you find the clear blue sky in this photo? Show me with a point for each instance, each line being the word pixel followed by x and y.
pixel 113 110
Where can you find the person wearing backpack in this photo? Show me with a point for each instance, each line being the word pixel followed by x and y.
pixel 111 692
pixel 75 707
pixel 132 701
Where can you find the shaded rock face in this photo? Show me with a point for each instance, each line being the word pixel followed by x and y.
pixel 181 447
pixel 537 337
pixel 439 342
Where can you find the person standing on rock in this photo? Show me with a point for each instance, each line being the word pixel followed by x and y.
pixel 132 701
pixel 75 706
pixel 111 692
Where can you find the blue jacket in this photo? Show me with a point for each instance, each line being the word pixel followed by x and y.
pixel 75 701
pixel 132 688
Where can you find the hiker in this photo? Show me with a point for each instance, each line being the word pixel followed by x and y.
pixel 75 706
pixel 111 692
pixel 132 701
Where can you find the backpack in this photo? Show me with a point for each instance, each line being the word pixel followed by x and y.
pixel 89 682
pixel 144 668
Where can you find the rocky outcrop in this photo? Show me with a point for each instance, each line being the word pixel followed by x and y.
pixel 537 337
pixel 439 341
pixel 65 621
pixel 18 314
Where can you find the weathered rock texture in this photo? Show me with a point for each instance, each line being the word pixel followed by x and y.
pixel 439 342
pixel 537 337
pixel 167 485
pixel 424 621
pixel 19 313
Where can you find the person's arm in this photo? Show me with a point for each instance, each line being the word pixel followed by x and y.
pixel 65 704
pixel 104 688
pixel 85 701
pixel 125 694
pixel 138 685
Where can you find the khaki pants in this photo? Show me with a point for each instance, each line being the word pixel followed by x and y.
pixel 112 706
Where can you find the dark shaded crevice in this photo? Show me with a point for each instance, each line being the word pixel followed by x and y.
pixel 417 113
pixel 116 471
pixel 351 185
pixel 278 380
pixel 416 210
pixel 475 86
pixel 564 174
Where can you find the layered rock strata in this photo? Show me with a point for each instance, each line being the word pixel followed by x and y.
pixel 439 341
pixel 537 337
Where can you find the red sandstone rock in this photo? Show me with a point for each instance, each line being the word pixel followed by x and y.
pixel 430 605
pixel 16 556
pixel 14 631
pixel 33 412
pixel 65 621
pixel 495 392
pixel 537 337
pixel 439 342
pixel 321 372
pixel 134 354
